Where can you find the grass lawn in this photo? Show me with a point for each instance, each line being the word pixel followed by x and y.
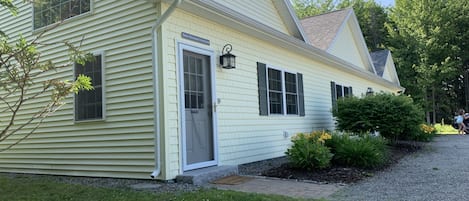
pixel 27 189
pixel 445 129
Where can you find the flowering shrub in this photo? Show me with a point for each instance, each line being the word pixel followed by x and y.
pixel 426 133
pixel 427 129
pixel 309 152
pixel 315 136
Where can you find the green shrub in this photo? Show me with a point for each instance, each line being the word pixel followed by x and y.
pixel 395 117
pixel 354 151
pixel 308 152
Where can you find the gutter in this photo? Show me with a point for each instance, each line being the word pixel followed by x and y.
pixel 156 83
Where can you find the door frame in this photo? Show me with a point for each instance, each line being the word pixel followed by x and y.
pixel 211 54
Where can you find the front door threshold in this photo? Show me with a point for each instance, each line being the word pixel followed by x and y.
pixel 205 175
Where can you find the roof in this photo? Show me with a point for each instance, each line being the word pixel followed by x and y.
pixel 322 29
pixel 224 15
pixel 379 60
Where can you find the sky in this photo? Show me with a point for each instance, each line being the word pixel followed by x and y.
pixel 386 2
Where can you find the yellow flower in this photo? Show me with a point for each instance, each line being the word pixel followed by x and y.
pixel 428 129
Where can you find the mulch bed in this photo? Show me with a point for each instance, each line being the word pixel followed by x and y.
pixel 338 174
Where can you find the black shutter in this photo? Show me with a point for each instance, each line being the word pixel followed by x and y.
pixel 262 84
pixel 350 91
pixel 333 95
pixel 301 97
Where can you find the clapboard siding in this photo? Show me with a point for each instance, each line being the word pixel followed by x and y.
pixel 243 135
pixel 122 145
pixel 346 47
pixel 262 11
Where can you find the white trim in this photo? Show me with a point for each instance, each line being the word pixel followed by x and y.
pixel 284 92
pixel 289 18
pixel 103 90
pixel 181 46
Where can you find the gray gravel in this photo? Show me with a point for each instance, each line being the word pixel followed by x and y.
pixel 439 172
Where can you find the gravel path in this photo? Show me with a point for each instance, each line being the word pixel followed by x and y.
pixel 439 172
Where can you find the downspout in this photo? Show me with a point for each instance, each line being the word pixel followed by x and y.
pixel 156 72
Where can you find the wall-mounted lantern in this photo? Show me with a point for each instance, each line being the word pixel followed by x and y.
pixel 227 60
pixel 369 91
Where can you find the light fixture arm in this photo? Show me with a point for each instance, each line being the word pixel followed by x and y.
pixel 227 48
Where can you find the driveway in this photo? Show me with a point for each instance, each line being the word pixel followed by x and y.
pixel 439 172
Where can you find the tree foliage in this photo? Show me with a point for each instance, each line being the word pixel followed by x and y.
pixel 25 77
pixel 429 44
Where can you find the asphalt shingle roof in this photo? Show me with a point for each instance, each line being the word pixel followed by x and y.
pixel 322 29
pixel 379 60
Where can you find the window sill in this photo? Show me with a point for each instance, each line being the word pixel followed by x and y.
pixel 89 121
pixel 59 23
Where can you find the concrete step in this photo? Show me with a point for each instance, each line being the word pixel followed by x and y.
pixel 205 175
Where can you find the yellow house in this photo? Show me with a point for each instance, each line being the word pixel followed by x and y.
pixel 164 105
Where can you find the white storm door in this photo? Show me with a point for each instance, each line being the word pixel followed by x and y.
pixel 199 147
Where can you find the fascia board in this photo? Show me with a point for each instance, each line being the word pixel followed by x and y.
pixel 223 15
pixel 290 19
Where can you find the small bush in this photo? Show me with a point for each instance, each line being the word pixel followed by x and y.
pixel 395 117
pixel 309 152
pixel 364 152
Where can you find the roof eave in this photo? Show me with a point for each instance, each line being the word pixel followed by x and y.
pixel 229 17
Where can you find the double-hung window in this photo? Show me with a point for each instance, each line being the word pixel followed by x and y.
pixel 51 11
pixel 275 91
pixel 291 93
pixel 280 91
pixel 339 91
pixel 89 104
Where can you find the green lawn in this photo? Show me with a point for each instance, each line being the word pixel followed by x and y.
pixel 445 129
pixel 32 189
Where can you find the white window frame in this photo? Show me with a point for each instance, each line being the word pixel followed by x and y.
pixel 35 30
pixel 103 90
pixel 284 94
pixel 342 91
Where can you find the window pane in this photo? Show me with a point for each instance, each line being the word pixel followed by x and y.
pixel 275 80
pixel 200 101
pixel 275 91
pixel 275 100
pixel 84 6
pixel 292 104
pixel 187 100
pixel 193 100
pixel 290 82
pixel 88 104
pixel 52 11
pixel 346 91
pixel 338 89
